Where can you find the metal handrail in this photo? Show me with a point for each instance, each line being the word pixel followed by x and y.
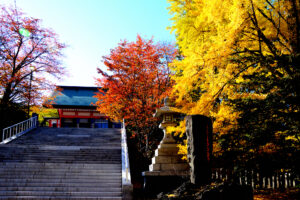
pixel 12 132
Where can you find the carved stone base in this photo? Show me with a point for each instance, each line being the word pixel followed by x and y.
pixel 167 168
pixel 167 159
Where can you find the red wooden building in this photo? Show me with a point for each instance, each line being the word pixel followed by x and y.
pixel 75 105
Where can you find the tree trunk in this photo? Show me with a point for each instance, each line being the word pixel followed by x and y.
pixel 6 95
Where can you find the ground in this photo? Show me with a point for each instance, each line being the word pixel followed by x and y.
pixel 188 191
pixel 269 194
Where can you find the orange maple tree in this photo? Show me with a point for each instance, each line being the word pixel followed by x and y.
pixel 29 55
pixel 136 80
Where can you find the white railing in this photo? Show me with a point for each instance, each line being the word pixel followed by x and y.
pixel 126 178
pixel 14 131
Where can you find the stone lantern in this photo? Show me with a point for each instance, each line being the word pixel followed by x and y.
pixel 167 166
pixel 168 114
pixel 170 118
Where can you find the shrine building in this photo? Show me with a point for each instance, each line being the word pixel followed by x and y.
pixel 75 105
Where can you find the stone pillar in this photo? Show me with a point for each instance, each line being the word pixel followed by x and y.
pixel 199 136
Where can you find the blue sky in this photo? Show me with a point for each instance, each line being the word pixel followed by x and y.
pixel 91 28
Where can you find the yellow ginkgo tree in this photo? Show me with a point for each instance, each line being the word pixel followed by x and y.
pixel 240 66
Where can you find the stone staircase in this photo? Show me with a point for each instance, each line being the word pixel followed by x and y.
pixel 64 163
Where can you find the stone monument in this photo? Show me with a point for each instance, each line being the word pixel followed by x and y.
pixel 199 136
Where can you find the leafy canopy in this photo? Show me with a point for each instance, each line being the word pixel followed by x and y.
pixel 136 80
pixel 240 66
pixel 26 48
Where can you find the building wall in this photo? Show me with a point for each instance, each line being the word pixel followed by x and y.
pixel 54 123
pixel 84 118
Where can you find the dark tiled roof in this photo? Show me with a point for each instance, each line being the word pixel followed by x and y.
pixel 74 96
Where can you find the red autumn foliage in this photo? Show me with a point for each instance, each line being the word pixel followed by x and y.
pixel 19 52
pixel 136 81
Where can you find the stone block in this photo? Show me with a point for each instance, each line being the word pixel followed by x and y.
pixel 163 167
pixel 161 159
pixel 168 139
pixel 168 145
pixel 175 166
pixel 168 159
pixel 154 167
pixel 166 151
pixel 185 173
pixel 178 159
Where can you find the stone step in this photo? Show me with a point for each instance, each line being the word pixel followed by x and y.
pixel 61 154
pixel 50 147
pixel 77 177
pixel 38 147
pixel 61 189
pixel 55 184
pixel 70 162
pixel 38 151
pixel 34 159
pixel 60 180
pixel 58 173
pixel 47 157
pixel 60 165
pixel 43 156
pixel 46 147
pixel 71 157
pixel 91 144
pixel 66 140
pixel 59 177
pixel 61 169
pixel 66 161
pixel 54 193
pixel 59 198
